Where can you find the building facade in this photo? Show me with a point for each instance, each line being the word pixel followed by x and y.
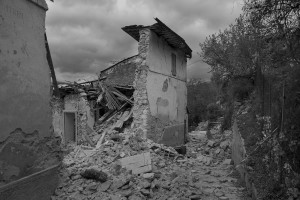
pixel 160 96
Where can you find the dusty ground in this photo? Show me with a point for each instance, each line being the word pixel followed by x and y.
pixel 205 172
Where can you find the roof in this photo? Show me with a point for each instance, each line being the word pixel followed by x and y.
pixel 121 73
pixel 125 59
pixel 163 30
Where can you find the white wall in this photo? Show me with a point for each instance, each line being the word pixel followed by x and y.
pixel 167 94
pixel 85 116
pixel 168 103
pixel 24 70
pixel 159 57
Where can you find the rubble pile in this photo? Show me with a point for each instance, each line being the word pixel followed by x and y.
pixel 211 151
pixel 134 168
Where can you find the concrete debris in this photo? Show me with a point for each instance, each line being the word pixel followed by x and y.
pixel 137 169
pixel 137 164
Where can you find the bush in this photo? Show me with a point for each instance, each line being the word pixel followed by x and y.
pixel 213 111
pixel 227 120
pixel 241 88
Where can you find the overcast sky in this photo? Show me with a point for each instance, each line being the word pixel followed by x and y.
pixel 85 35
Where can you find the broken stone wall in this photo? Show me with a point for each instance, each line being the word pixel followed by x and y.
pixel 83 109
pixel 238 155
pixel 57 105
pixel 160 97
pixel 24 71
pixel 122 73
pixel 141 110
pixel 22 154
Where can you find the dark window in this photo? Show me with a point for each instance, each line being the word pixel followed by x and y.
pixel 173 64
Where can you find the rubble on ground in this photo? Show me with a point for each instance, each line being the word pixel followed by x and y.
pixel 134 168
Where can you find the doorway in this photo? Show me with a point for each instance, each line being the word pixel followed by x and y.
pixel 70 128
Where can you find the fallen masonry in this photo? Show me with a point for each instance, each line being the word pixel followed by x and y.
pixel 121 169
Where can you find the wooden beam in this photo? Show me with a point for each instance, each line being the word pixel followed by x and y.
pixel 50 63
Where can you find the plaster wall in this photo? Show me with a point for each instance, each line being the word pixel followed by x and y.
pixel 85 116
pixel 167 97
pixel 160 98
pixel 24 71
pixel 159 58
pixel 167 94
pixel 57 105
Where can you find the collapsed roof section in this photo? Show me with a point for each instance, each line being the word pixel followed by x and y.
pixel 121 74
pixel 163 30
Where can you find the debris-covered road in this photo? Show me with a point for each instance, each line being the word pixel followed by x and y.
pixel 156 172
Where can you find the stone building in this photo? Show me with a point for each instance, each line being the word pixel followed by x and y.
pixel 25 93
pixel 24 71
pixel 160 96
pixel 154 83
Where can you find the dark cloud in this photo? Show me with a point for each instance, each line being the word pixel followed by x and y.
pixel 84 36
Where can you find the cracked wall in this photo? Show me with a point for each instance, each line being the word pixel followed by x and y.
pixel 160 97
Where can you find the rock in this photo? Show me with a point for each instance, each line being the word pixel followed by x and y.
pixel 134 197
pixel 126 187
pixel 145 184
pixel 93 173
pixel 208 161
pixel 227 162
pixel 222 153
pixel 105 186
pixel 217 151
pixel 145 192
pixel 224 198
pixel 122 154
pixel 76 177
pixel 138 164
pixel 148 175
pixel 68 162
pixel 207 150
pixel 115 197
pixel 218 193
pixel 195 197
pixel 119 183
pixel 208 191
pixel 211 143
pixel 198 135
pixel 224 144
pixel 93 187
pixel 162 164
pixel 125 193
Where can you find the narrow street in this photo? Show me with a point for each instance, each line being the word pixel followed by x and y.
pixel 205 172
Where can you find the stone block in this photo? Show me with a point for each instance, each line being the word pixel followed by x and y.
pixel 138 164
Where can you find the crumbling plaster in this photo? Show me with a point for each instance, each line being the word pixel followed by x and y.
pixel 167 94
pixel 85 116
pixel 24 71
pixel 159 57
pixel 160 98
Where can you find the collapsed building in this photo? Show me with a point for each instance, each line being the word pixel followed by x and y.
pixel 148 88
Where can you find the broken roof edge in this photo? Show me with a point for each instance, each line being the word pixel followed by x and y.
pixel 162 30
pixel 40 3
pixel 125 59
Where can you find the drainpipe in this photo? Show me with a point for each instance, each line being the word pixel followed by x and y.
pixel 50 63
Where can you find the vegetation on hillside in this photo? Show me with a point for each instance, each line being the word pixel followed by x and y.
pixel 256 61
pixel 202 97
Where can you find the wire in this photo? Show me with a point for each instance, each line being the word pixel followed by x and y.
pixel 194 63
